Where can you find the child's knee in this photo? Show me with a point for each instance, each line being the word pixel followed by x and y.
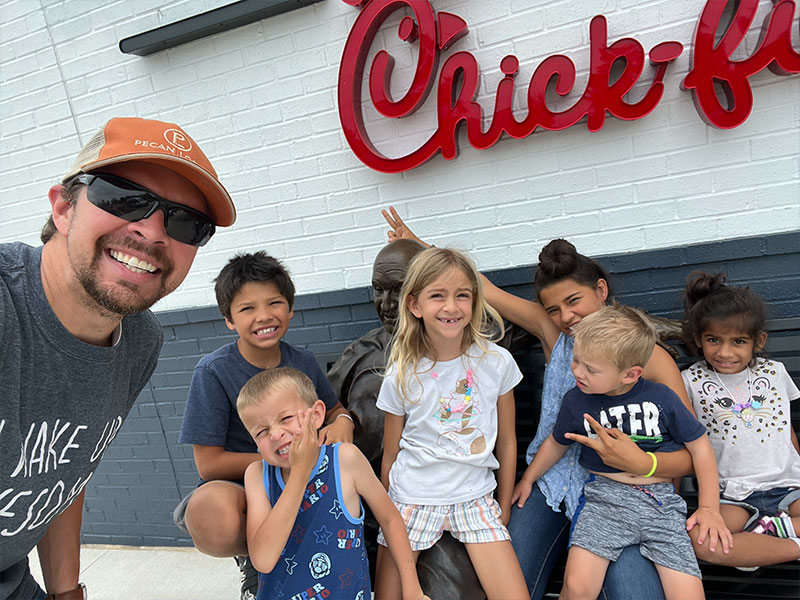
pixel 214 523
pixel 577 586
pixel 702 550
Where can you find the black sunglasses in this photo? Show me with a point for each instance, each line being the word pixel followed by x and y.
pixel 132 202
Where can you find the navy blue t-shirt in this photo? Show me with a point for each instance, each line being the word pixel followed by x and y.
pixel 210 418
pixel 651 413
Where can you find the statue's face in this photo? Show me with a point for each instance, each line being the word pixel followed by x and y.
pixel 388 273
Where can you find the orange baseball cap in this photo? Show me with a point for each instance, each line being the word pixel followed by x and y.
pixel 125 139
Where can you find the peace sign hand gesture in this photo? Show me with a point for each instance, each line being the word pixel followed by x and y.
pixel 615 448
pixel 399 230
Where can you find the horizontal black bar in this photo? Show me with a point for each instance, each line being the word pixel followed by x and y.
pixel 208 23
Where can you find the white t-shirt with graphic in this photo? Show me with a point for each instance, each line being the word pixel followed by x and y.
pixel 748 422
pixel 446 448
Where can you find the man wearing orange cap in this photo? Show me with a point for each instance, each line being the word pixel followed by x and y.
pixel 79 342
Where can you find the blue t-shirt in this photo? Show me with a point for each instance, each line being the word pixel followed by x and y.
pixel 651 413
pixel 210 418
pixel 324 556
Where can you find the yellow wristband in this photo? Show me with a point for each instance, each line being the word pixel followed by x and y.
pixel 655 464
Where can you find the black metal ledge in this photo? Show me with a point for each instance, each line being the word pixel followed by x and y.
pixel 208 23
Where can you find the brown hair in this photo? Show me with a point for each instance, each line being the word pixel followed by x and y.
pixel 707 298
pixel 559 260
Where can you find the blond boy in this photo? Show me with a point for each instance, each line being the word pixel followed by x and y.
pixel 611 348
pixel 304 515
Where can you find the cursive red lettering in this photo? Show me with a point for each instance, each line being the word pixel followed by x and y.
pixel 712 65
pixel 614 70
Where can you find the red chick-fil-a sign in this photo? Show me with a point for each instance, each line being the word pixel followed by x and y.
pixel 457 86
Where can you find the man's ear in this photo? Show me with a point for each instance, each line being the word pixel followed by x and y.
pixel 61 207
pixel 632 374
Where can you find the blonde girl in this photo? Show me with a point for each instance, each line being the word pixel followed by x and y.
pixel 449 403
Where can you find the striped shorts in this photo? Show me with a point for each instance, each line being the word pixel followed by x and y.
pixel 471 522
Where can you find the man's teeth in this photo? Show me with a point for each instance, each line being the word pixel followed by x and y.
pixel 265 330
pixel 134 264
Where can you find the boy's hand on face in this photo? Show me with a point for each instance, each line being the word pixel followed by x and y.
pixel 304 451
pixel 712 526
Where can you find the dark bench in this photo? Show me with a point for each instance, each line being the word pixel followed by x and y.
pixel 777 581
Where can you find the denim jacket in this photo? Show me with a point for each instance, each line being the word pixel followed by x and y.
pixel 564 481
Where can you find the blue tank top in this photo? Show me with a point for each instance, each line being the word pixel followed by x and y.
pixel 325 557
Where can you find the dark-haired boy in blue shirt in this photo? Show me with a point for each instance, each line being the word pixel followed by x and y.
pixel 255 294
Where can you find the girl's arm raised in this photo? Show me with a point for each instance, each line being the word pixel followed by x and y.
pixel 392 430
pixel 506 453
pixel 528 315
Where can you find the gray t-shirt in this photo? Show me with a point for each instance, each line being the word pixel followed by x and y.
pixel 63 402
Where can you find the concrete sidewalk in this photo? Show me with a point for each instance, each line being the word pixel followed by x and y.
pixel 144 573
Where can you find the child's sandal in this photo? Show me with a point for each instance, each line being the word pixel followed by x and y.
pixel 779 526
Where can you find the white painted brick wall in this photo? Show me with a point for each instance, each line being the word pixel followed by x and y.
pixel 261 101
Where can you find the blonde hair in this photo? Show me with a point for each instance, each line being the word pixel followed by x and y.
pixel 410 342
pixel 620 334
pixel 271 380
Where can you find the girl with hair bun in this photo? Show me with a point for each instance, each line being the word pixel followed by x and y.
pixel 570 286
pixel 743 401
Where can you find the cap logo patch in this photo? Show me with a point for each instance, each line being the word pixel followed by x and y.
pixel 177 138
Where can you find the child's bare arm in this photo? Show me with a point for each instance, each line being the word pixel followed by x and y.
pixel 707 515
pixel 214 462
pixel 549 454
pixel 506 452
pixel 358 472
pixel 269 527
pixel 616 449
pixel 392 430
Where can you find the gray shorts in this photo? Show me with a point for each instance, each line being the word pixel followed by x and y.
pixel 179 514
pixel 616 515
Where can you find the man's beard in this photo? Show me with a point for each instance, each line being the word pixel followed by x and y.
pixel 116 301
